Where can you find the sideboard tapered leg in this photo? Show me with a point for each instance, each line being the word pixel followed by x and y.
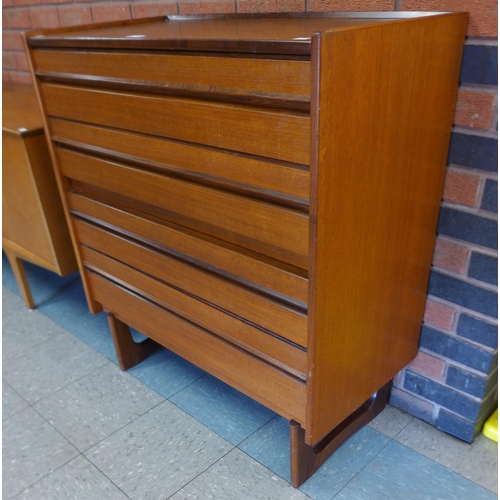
pixel 129 352
pixel 305 460
pixel 22 281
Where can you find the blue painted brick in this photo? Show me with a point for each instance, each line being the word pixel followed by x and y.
pixel 410 404
pixel 480 65
pixel 468 227
pixel 490 196
pixel 465 428
pixel 474 151
pixel 456 426
pixel 458 350
pixel 484 268
pixel 464 294
pixel 468 382
pixel 442 395
pixel 478 331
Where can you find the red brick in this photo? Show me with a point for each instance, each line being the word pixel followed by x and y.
pixel 252 6
pixel 439 315
pixel 19 77
pixel 16 19
pixel 9 61
pixel 428 365
pixel 5 77
pixel 350 5
pixel 461 188
pixel 474 109
pixel 113 12
pixel 482 13
pixel 140 10
pixel 56 1
pixel 45 17
pixel 218 7
pixel 29 2
pixel 12 41
pixel 75 15
pixel 450 256
pixel 7 3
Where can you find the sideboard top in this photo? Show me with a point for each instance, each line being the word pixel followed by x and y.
pixel 255 33
pixel 21 114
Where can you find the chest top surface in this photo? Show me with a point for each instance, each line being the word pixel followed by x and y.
pixel 262 33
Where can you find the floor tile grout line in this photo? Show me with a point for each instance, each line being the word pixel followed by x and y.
pixel 364 467
pixel 435 461
pixel 203 471
pixel 122 427
pixel 444 467
pixel 71 382
pixel 79 453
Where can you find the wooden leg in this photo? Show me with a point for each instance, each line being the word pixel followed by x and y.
pixel 129 352
pixel 22 282
pixel 305 460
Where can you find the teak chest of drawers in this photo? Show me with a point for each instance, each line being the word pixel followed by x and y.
pixel 259 194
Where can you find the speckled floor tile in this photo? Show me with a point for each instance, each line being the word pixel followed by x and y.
pixel 11 302
pixel 237 476
pixel 166 373
pixel 391 421
pixel 51 365
pixel 270 446
pixel 399 473
pixel 223 409
pixel 345 463
pixel 31 449
pixel 25 329
pixel 76 480
pixel 477 461
pixel 157 454
pixel 92 408
pixel 11 401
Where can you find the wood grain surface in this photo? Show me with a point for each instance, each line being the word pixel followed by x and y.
pixel 393 89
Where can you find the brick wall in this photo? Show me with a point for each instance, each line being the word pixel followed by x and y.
pixel 452 382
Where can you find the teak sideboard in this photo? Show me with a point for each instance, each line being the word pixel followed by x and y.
pixel 34 227
pixel 259 194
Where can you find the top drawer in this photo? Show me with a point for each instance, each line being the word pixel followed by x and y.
pixel 233 75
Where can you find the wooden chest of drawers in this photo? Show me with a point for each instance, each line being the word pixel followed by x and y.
pixel 34 227
pixel 260 195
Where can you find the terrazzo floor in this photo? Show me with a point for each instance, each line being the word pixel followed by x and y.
pixel 76 427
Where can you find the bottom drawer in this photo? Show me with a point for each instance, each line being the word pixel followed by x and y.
pixel 254 377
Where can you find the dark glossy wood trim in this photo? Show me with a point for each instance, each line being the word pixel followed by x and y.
pixel 305 460
pixel 269 294
pixel 181 173
pixel 154 300
pixel 273 101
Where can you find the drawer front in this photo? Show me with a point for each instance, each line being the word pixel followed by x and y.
pixel 273 134
pixel 265 275
pixel 261 381
pixel 278 232
pixel 204 285
pixel 269 347
pixel 226 73
pixel 181 158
